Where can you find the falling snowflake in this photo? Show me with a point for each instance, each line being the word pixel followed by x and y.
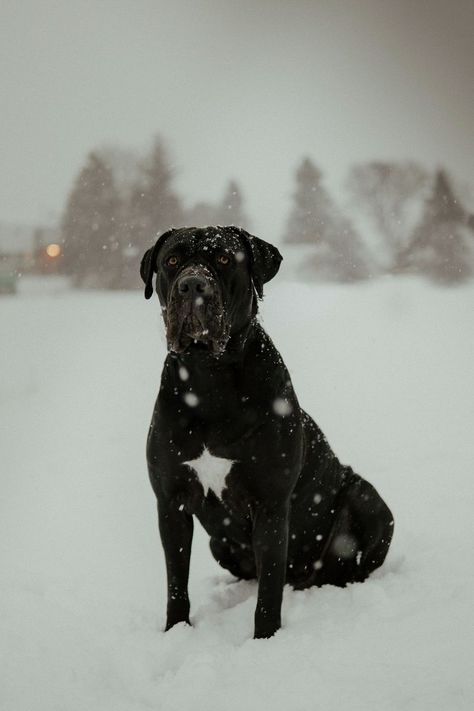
pixel 344 545
pixel 191 399
pixel 282 407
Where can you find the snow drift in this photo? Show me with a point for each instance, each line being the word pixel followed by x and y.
pixel 385 368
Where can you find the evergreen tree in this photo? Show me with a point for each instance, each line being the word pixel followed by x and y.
pixel 154 206
pixel 439 246
pixel 341 256
pixel 230 211
pixel 202 214
pixel 312 206
pixel 315 219
pixel 89 227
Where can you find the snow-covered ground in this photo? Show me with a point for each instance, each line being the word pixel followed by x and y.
pixel 386 368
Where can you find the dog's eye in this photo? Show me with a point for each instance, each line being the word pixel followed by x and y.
pixel 172 261
pixel 223 259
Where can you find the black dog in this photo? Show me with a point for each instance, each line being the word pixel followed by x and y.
pixel 229 443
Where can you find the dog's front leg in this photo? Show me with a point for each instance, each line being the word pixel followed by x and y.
pixel 270 544
pixel 176 531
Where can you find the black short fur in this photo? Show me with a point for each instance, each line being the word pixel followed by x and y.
pixel 290 511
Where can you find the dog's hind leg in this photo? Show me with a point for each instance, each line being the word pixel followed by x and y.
pixel 374 524
pixel 359 538
pixel 338 561
pixel 237 558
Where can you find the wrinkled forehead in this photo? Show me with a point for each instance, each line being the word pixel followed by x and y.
pixel 204 241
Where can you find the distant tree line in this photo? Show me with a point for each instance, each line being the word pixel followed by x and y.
pixel 116 208
pixel 421 225
pixel 118 204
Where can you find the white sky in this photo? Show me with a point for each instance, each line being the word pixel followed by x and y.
pixel 237 89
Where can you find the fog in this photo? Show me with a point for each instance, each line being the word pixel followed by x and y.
pixel 241 90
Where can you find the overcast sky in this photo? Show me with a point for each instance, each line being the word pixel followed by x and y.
pixel 237 89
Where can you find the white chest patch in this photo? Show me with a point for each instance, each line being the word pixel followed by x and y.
pixel 211 471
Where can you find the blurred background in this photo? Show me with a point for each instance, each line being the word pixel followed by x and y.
pixel 340 130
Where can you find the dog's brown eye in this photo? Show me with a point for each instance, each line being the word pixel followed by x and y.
pixel 223 259
pixel 172 261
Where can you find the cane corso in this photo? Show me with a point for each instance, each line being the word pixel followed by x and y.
pixel 229 443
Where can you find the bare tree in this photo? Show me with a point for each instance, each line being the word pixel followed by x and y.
pixel 391 195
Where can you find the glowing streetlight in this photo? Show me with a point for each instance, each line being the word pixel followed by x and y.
pixel 53 250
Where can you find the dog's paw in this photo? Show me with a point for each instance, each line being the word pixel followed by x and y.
pixel 170 623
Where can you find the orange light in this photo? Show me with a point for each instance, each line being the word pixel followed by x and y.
pixel 53 250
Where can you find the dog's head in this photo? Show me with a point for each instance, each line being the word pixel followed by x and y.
pixel 207 281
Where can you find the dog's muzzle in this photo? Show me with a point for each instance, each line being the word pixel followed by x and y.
pixel 195 312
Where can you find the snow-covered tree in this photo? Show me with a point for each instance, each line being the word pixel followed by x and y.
pixel 441 245
pixel 230 211
pixel 154 205
pixel 312 206
pixel 315 219
pixel 89 226
pixel 201 214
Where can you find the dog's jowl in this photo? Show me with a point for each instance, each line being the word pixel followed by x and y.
pixel 229 443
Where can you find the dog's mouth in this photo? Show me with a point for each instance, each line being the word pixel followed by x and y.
pixel 196 323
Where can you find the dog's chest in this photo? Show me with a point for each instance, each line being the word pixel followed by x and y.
pixel 211 471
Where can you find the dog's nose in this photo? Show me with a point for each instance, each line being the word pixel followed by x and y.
pixel 194 285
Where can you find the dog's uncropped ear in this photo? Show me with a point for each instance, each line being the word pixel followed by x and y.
pixel 148 263
pixel 265 259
